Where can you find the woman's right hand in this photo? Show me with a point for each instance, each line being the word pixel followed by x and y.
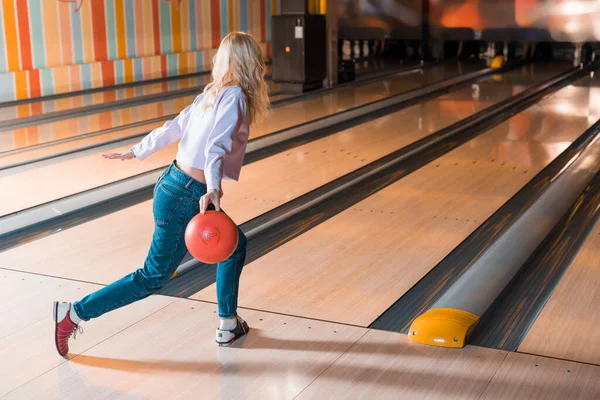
pixel 213 197
pixel 120 156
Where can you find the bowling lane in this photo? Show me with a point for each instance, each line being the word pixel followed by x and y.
pixel 106 248
pixel 567 327
pixel 36 185
pixel 42 106
pixel 72 133
pixel 296 113
pixel 353 267
pixel 69 102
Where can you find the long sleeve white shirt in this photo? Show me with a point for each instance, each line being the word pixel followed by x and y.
pixel 212 139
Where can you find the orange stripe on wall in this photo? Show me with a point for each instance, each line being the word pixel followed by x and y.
pixel 215 24
pixel 66 39
pixel 99 30
pixel 10 32
pixel 128 70
pixel 35 87
pixel 22 87
pixel 176 26
pixel 108 73
pixel 185 26
pixel 24 35
pixel 183 63
pixel 75 78
pixel 156 26
pixel 263 22
pixel 120 24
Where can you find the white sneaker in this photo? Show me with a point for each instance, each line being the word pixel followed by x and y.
pixel 226 338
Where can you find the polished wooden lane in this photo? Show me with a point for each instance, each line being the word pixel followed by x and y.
pixel 289 115
pixel 105 96
pixel 351 268
pixel 385 365
pixel 120 245
pixel 538 378
pixel 164 348
pixel 39 185
pixel 568 325
pixel 26 333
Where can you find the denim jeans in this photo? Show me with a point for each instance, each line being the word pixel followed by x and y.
pixel 176 198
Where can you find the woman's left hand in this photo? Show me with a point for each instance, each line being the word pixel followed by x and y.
pixel 213 197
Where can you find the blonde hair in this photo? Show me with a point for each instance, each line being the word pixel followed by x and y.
pixel 240 62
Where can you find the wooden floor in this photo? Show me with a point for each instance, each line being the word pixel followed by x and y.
pixel 568 325
pixel 119 247
pixel 308 302
pixel 164 348
pixel 353 267
pixel 77 101
pixel 289 115
pixel 39 185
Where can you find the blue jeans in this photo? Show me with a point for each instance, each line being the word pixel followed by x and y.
pixel 176 198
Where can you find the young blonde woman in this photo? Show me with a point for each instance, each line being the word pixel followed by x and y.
pixel 213 132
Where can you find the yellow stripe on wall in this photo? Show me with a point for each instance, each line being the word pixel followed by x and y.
pixel 230 14
pixel 185 26
pixel 148 32
pixel 176 26
pixel 11 37
pixel 96 75
pixel 52 39
pixel 206 27
pixel 128 70
pixel 88 36
pixel 120 24
pixel 21 85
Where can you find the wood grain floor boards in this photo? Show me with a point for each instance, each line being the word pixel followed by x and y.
pixel 119 241
pixel 567 327
pixel 351 268
pixel 27 331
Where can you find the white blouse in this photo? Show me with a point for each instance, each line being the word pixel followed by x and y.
pixel 212 139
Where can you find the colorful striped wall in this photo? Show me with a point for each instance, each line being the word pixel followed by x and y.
pixel 57 46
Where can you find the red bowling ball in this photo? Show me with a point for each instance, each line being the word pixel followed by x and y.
pixel 211 237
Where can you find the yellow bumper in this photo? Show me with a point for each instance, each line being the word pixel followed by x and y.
pixel 443 327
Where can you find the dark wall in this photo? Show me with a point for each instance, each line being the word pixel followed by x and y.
pixel 521 20
pixel 379 19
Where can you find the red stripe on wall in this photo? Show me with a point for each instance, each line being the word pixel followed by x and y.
pixel 35 90
pixel 108 73
pixel 35 87
pixel 163 68
pixel 156 27
pixel 263 21
pixel 99 29
pixel 24 35
pixel 215 23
